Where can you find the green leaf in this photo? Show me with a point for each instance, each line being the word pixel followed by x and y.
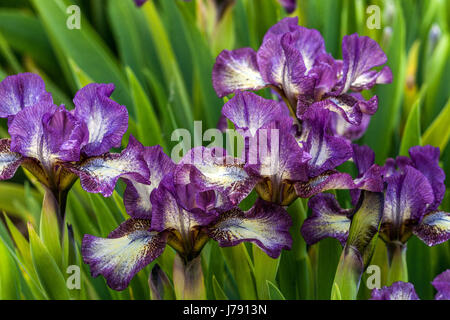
pixel 49 229
pixel 242 270
pixel 438 133
pixel 412 133
pixel 50 277
pixel 265 271
pixel 8 276
pixel 149 131
pixel 274 292
pixel 219 294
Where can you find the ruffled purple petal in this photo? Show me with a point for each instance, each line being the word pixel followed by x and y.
pixel 360 55
pixel 397 291
pixel 250 112
pixel 27 132
pixel 434 228
pixel 9 161
pixel 265 224
pixel 211 169
pixel 407 197
pixel 136 196
pixel 236 70
pixel 327 151
pixel 426 160
pixel 442 285
pixel 328 219
pixel 328 180
pixel 169 215
pixel 106 120
pixel 100 174
pixel 126 251
pixel 21 91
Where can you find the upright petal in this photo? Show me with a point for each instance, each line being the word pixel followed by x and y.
pixel 250 112
pixel 27 133
pixel 397 291
pixel 100 174
pixel 211 169
pixel 20 91
pixel 360 55
pixel 426 160
pixel 407 197
pixel 236 70
pixel 9 161
pixel 265 224
pixel 126 251
pixel 442 285
pixel 327 151
pixel 136 196
pixel 328 219
pixel 289 5
pixel 169 215
pixel 364 158
pixel 106 120
pixel 352 132
pixel 434 228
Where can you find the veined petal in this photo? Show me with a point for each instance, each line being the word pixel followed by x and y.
pixel 136 196
pixel 364 158
pixel 360 55
pixel 407 198
pixel 211 169
pixel 434 228
pixel 9 161
pixel 100 174
pixel 442 285
pixel 106 120
pixel 236 70
pixel 126 251
pixel 328 180
pixel 168 214
pixel 397 291
pixel 426 160
pixel 265 224
pixel 343 128
pixel 327 151
pixel 328 219
pixel 251 112
pixel 27 133
pixel 20 91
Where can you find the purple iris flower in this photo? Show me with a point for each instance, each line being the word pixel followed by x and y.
pixel 292 60
pixel 180 208
pixel 289 164
pixel 414 189
pixel 405 290
pixel 57 145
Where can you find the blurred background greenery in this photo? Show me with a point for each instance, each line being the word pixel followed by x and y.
pixel 160 59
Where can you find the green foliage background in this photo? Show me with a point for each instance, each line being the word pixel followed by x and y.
pixel 160 58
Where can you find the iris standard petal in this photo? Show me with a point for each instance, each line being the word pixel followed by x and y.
pixel 136 196
pixel 250 112
pixel 126 251
pixel 236 70
pixel 21 91
pixel 106 120
pixel 265 224
pixel 360 55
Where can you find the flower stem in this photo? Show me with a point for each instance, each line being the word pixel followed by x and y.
pixel 188 279
pixel 398 269
pixel 348 275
